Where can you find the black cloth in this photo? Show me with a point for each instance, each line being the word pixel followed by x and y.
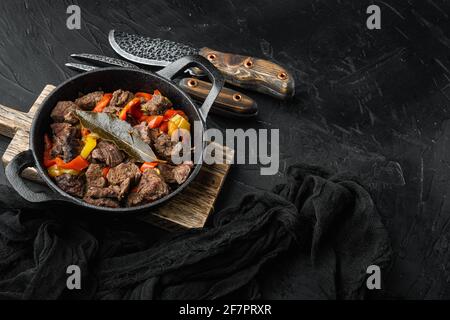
pixel 312 237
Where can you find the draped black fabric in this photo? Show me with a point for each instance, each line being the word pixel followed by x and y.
pixel 312 237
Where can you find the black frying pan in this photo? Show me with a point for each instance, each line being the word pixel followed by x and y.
pixel 108 80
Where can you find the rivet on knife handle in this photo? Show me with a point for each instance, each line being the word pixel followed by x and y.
pixel 229 102
pixel 252 73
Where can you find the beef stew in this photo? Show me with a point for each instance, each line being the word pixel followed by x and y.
pixel 88 166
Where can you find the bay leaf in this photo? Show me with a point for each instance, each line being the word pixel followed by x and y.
pixel 120 132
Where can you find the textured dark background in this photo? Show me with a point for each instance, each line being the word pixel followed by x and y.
pixel 373 102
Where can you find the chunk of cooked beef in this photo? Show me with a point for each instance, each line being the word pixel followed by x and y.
pixel 121 97
pixel 122 172
pixel 154 134
pixel 94 176
pixel 108 153
pixel 102 202
pixel 124 187
pixel 134 199
pixel 114 191
pixel 175 174
pixel 90 100
pixel 145 133
pixel 73 185
pixel 66 141
pixel 158 104
pixel 107 192
pixel 64 111
pixel 121 178
pixel 118 101
pixel 151 187
pixel 165 147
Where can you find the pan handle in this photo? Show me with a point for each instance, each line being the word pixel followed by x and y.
pixel 178 67
pixel 13 170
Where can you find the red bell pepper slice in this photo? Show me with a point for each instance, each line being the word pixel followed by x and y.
pixel 155 121
pixel 130 107
pixel 145 95
pixel 103 103
pixel 105 171
pixel 152 121
pixel 48 161
pixel 164 127
pixel 144 118
pixel 85 132
pixel 148 165
pixel 172 112
pixel 78 164
pixel 169 114
pixel 136 113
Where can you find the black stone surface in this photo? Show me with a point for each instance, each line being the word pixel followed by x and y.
pixel 373 102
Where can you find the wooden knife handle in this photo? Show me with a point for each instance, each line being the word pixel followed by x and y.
pixel 252 73
pixel 229 102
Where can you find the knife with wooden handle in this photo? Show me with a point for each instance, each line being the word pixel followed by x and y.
pixel 243 71
pixel 252 73
pixel 229 103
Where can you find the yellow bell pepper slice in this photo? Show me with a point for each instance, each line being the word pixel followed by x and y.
pixel 55 171
pixel 171 128
pixel 89 145
pixel 178 122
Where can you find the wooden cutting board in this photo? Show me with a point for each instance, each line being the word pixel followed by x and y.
pixel 189 209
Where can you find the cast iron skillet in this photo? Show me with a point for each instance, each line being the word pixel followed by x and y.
pixel 108 80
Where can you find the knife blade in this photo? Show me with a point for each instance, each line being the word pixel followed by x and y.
pixel 106 61
pixel 244 71
pixel 103 60
pixel 80 67
pixel 229 103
